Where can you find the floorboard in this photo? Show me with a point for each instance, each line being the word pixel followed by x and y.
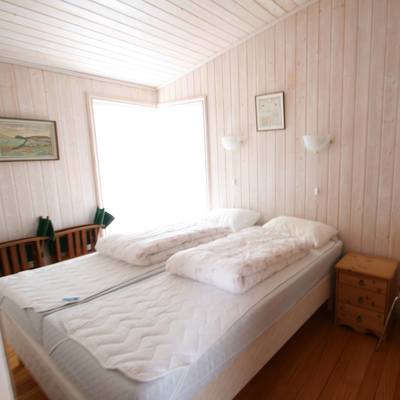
pixel 322 361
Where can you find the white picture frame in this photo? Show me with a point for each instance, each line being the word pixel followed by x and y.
pixel 270 111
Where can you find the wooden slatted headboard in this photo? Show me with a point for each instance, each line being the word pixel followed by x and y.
pixel 75 241
pixel 15 254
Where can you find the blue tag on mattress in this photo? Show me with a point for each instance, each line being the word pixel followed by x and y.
pixel 70 299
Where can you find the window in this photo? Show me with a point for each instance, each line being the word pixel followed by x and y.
pixel 152 162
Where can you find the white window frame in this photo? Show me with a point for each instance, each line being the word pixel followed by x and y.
pixel 90 98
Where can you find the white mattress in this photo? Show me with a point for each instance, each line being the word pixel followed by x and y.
pixel 282 290
pixel 31 295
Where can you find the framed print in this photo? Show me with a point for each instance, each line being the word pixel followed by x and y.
pixel 28 140
pixel 270 111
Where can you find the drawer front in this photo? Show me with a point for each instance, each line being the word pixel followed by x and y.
pixel 360 318
pixel 362 298
pixel 363 282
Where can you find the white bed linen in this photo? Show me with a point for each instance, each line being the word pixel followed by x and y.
pixel 281 292
pixel 239 261
pixel 316 233
pixel 80 279
pixel 44 289
pixel 29 320
pixel 30 300
pixel 157 245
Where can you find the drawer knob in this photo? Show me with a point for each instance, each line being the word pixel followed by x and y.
pixel 360 300
pixel 359 318
pixel 361 282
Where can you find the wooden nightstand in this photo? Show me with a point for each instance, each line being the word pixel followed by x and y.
pixel 365 288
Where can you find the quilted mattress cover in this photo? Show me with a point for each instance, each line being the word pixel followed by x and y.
pixel 31 295
pixel 268 301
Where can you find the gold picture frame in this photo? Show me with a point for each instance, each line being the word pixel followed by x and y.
pixel 28 140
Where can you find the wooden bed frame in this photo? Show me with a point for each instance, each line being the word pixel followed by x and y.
pixel 225 385
pixel 69 243
pixel 75 241
pixel 14 254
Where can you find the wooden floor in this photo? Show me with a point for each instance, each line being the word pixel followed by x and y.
pixel 25 386
pixel 321 361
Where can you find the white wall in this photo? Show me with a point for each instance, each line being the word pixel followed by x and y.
pixel 64 189
pixel 338 62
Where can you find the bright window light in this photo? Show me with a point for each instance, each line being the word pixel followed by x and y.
pixel 152 162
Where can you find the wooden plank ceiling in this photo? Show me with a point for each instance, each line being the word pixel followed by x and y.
pixel 151 42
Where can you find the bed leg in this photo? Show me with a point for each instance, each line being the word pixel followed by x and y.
pixel 14 361
pixel 329 304
pixel 19 362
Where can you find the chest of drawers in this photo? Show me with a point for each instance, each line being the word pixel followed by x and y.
pixel 365 288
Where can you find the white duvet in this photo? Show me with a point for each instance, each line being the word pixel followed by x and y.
pixel 239 261
pixel 157 245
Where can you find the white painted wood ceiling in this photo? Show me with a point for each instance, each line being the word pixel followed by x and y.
pixel 150 42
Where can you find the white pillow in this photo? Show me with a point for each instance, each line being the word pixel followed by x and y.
pixel 234 218
pixel 314 232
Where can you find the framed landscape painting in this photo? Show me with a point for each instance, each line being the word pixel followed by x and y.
pixel 28 140
pixel 270 111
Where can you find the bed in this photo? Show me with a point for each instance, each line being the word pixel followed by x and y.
pixel 275 309
pixel 121 260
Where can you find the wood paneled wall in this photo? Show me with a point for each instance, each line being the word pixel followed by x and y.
pixel 338 63
pixel 64 189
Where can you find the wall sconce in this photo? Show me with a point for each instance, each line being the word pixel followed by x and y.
pixel 231 143
pixel 316 144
